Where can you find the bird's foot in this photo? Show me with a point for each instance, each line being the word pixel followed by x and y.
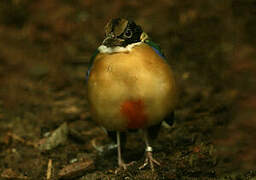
pixel 149 160
pixel 123 166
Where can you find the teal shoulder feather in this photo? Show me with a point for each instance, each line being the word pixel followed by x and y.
pixel 156 47
pixel 91 63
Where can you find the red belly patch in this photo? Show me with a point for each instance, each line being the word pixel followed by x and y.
pixel 133 110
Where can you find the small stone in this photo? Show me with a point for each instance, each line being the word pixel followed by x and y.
pixel 59 136
pixel 73 160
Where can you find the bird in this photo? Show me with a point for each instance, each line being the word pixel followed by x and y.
pixel 130 86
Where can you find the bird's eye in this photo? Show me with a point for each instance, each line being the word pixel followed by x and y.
pixel 128 33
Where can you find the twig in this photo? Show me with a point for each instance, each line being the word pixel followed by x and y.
pixel 20 139
pixel 49 170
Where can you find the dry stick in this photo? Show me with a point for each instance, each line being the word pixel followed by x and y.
pixel 20 139
pixel 49 170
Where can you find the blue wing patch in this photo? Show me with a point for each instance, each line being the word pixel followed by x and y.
pixel 156 48
pixel 91 63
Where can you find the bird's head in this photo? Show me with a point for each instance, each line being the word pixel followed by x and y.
pixel 122 32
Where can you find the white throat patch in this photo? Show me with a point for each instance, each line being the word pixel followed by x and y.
pixel 105 49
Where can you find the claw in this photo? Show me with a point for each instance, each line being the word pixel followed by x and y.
pixel 123 166
pixel 149 160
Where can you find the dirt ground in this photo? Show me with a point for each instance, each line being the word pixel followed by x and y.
pixel 45 47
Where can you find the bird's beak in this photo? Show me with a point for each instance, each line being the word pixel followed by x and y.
pixel 111 41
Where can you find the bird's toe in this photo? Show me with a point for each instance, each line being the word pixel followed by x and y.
pixel 123 166
pixel 149 160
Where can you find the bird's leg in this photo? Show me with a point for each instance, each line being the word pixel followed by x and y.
pixel 149 158
pixel 121 163
pixel 120 160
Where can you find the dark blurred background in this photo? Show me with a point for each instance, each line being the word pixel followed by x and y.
pixel 45 47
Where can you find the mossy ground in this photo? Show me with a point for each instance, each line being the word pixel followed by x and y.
pixel 45 46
